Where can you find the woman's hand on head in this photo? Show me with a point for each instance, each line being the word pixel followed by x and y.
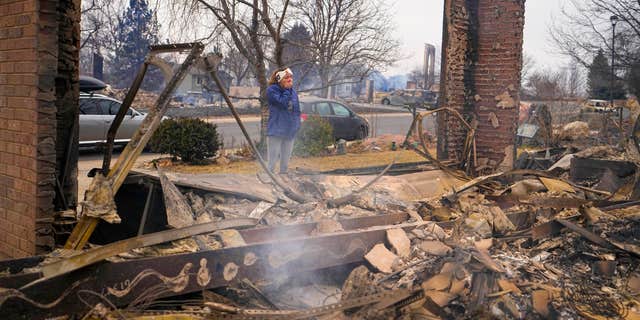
pixel 287 82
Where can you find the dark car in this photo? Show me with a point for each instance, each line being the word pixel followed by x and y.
pixel 346 124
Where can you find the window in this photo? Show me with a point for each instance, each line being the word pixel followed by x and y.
pixel 305 107
pixel 323 108
pixel 114 107
pixel 340 110
pixel 94 106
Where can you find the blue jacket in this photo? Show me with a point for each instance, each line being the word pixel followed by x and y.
pixel 284 112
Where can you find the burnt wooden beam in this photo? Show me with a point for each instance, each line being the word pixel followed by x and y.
pixel 122 282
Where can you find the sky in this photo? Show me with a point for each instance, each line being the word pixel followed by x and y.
pixel 420 21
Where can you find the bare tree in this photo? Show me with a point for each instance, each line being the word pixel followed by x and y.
pixel 236 64
pixel 528 63
pixel 574 80
pixel 584 27
pixel 349 38
pixel 255 28
pixel 557 84
pixel 99 21
pixel 546 84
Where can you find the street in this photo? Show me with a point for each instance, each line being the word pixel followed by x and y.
pixel 379 124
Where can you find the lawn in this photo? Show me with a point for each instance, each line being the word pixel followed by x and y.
pixel 330 162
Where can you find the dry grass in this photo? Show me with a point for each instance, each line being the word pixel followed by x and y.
pixel 316 163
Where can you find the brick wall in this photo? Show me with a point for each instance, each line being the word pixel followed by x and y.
pixel 28 72
pixel 482 57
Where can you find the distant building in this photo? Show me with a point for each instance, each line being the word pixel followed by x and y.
pixel 192 82
pixel 196 84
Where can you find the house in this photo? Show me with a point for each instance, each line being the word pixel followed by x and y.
pixel 192 83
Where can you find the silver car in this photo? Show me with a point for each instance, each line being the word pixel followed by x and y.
pixel 96 115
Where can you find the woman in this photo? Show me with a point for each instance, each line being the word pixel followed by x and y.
pixel 284 118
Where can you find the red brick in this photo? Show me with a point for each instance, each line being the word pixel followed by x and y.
pixel 14 125
pixel 13 148
pixel 25 186
pixel 22 254
pixel 7 158
pixel 7 67
pixel 28 175
pixel 5 225
pixel 25 162
pixel 24 43
pixel 21 102
pixel 25 246
pixel 14 195
pixel 24 67
pixel 28 151
pixel 13 171
pixel 25 114
pixel 19 231
pixel 6 182
pixel 28 139
pixel 12 240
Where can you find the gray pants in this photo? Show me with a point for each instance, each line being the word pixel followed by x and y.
pixel 279 147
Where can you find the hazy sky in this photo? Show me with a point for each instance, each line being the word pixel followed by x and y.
pixel 420 21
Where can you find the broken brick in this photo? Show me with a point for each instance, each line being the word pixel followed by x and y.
pixel 399 242
pixel 381 258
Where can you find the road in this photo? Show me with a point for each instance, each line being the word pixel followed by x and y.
pixel 379 124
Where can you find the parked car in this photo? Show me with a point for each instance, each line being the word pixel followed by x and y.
pixel 346 123
pixel 409 97
pixel 97 112
pixel 595 105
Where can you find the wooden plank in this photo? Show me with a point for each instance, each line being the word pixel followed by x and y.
pixel 122 282
pixel 245 186
pixel 98 254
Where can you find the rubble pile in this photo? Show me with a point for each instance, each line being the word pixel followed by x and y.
pixel 519 245
pixel 144 100
pixel 484 267
pixel 557 238
pixel 388 142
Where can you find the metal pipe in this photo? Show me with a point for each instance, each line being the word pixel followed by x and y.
pixel 124 107
pixel 613 52
pixel 145 212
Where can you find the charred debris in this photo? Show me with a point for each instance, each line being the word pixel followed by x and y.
pixel 559 237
